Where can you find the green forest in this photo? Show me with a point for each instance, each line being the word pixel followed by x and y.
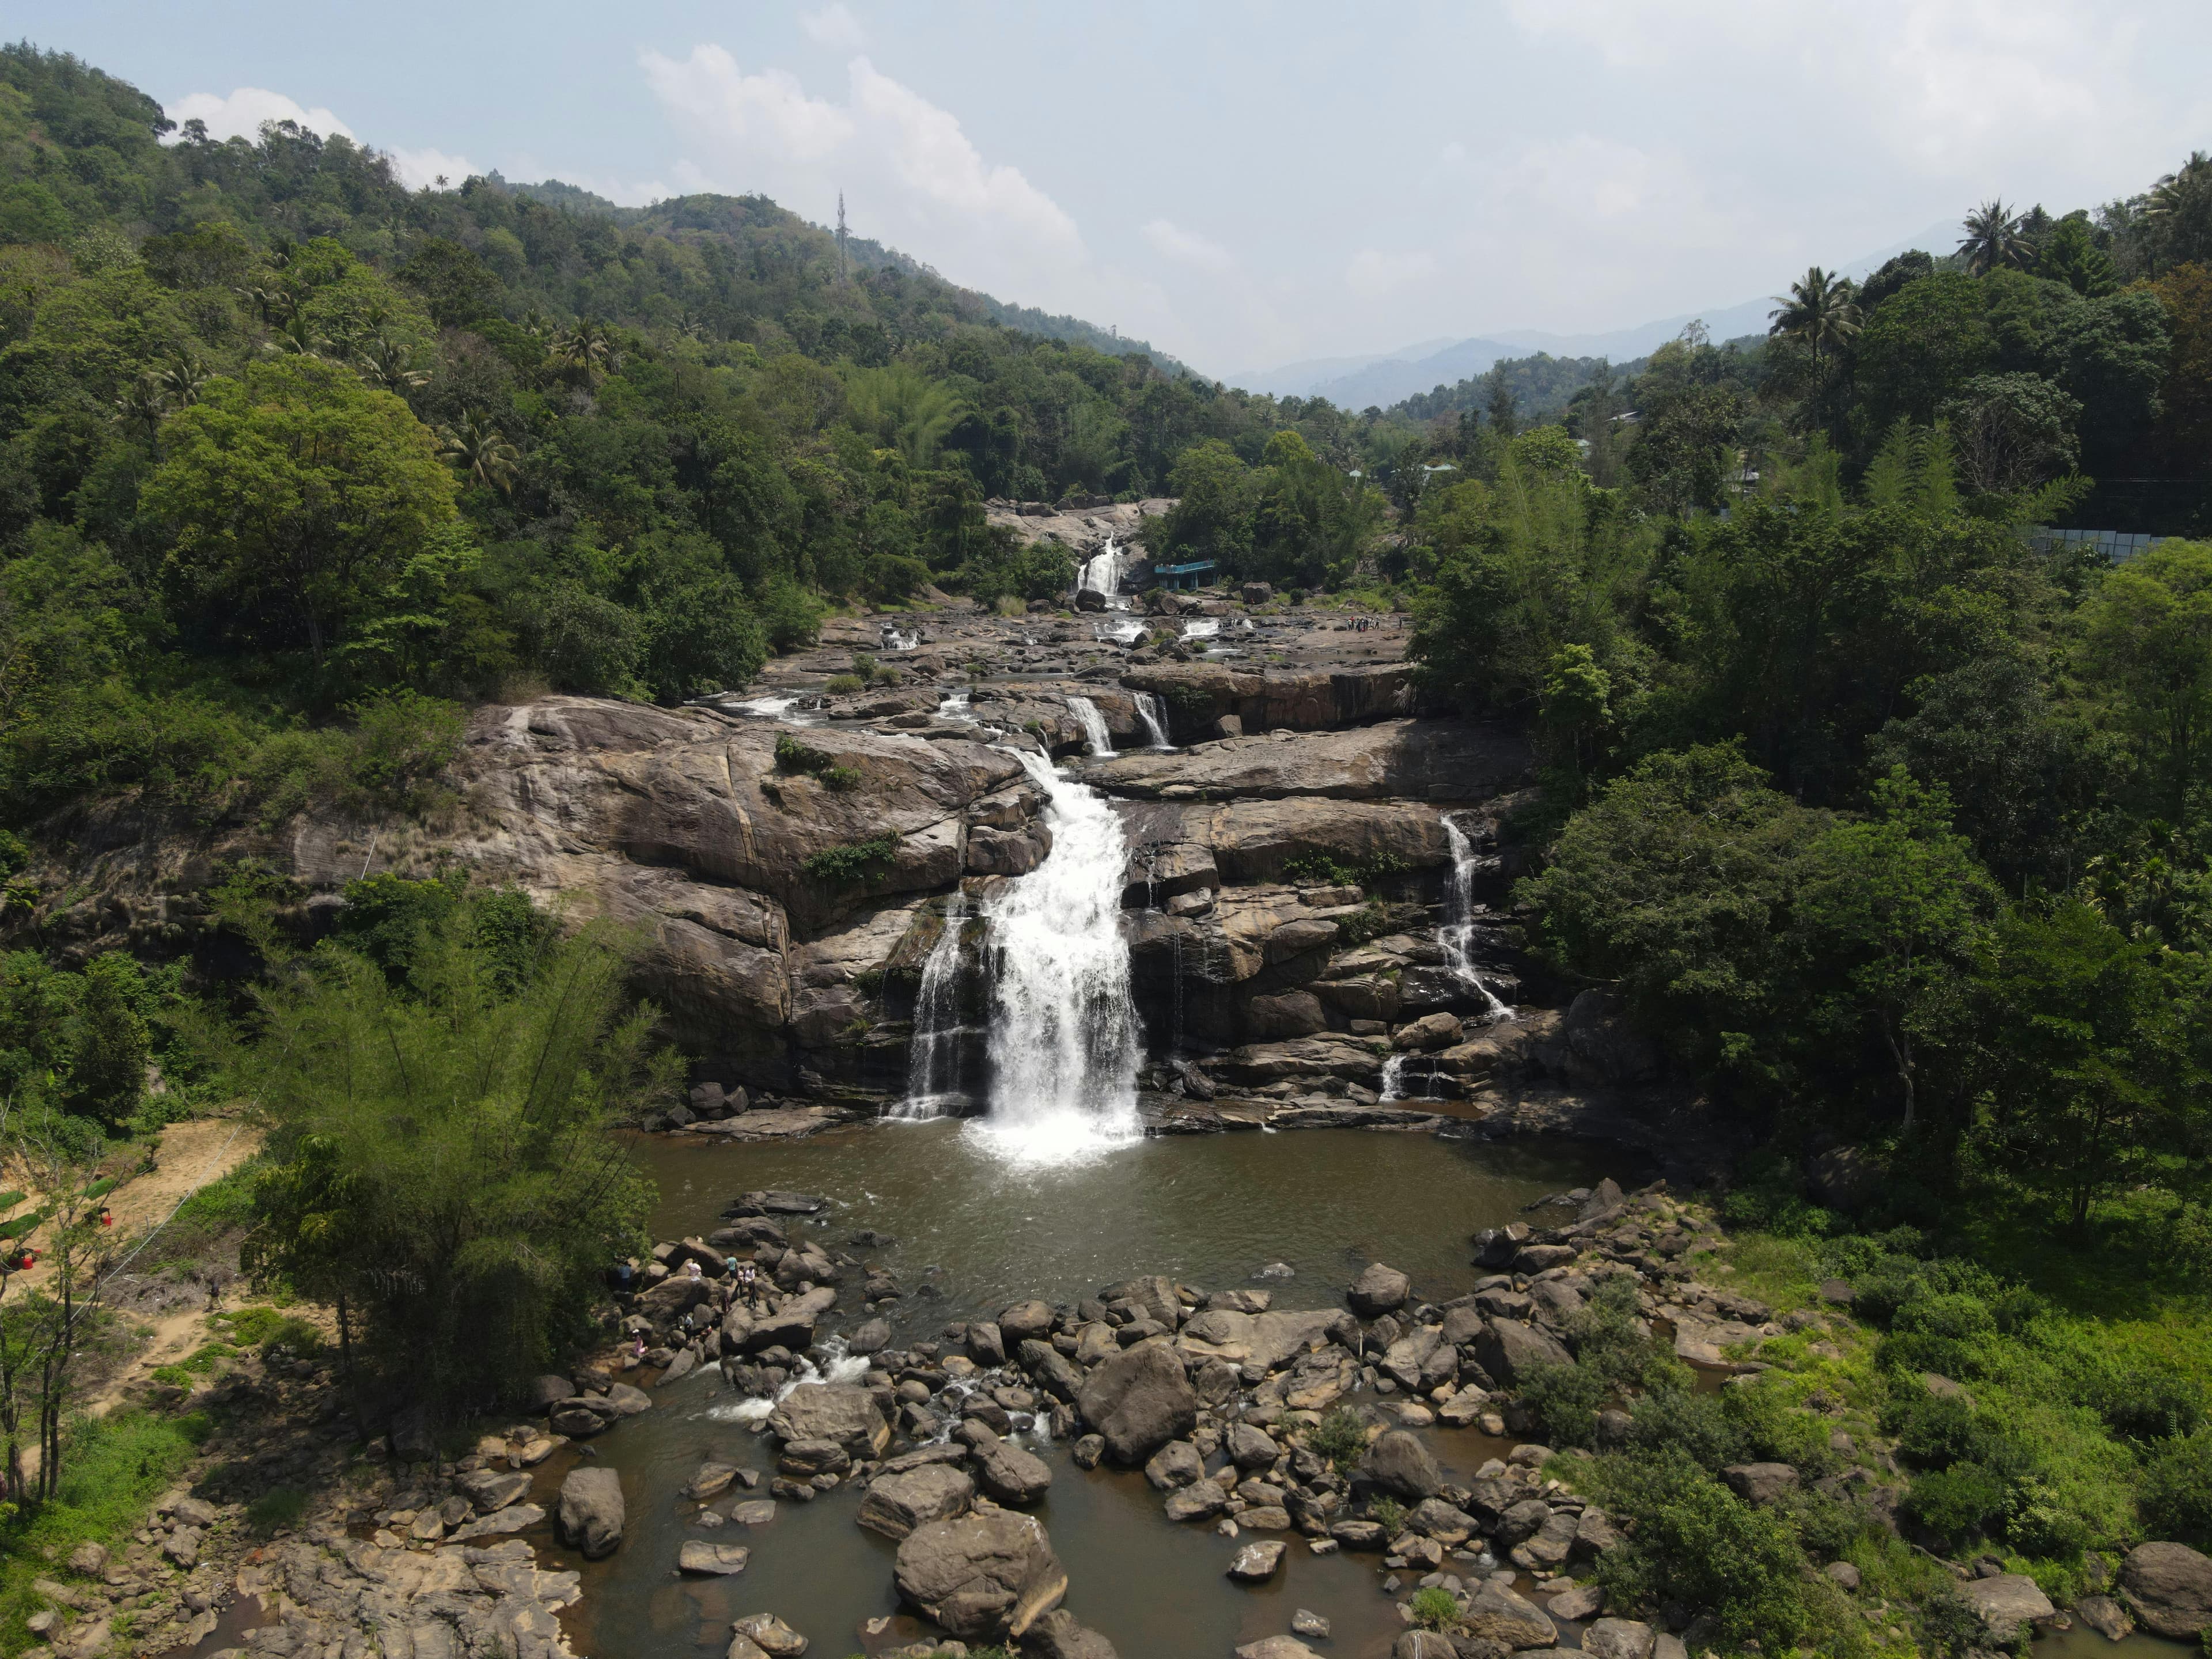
pixel 1886 814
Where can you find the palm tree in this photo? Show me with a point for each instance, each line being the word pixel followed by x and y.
pixel 2179 215
pixel 387 363
pixel 144 402
pixel 267 300
pixel 1819 310
pixel 297 338
pixel 1993 238
pixel 481 450
pixel 587 350
pixel 182 381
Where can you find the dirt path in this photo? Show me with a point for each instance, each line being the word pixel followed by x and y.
pixel 189 1156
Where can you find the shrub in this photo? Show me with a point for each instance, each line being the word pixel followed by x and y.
pixel 1339 1436
pixel 1695 1543
pixel 2177 1491
pixel 1959 1503
pixel 1434 1608
pixel 849 860
pixel 1934 1430
pixel 1389 1514
pixel 1567 1399
pixel 792 756
pixel 838 685
pixel 1949 1623
pixel 1693 1424
pixel 792 615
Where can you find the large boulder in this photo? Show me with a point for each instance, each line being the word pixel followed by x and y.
pixel 1010 1474
pixel 1761 1483
pixel 983 1577
pixel 2170 1587
pixel 833 1411
pixel 1138 1400
pixel 590 1516
pixel 1506 1347
pixel 1379 1290
pixel 1056 1635
pixel 896 1503
pixel 1400 1464
pixel 791 1326
pixel 1618 1639
pixel 2009 1603
pixel 1502 1615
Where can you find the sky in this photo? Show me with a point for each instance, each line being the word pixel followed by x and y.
pixel 1246 183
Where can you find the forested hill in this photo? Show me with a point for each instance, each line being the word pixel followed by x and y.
pixel 555 445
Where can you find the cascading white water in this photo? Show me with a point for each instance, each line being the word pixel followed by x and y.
pixel 1394 1079
pixel 1202 628
pixel 894 640
pixel 1101 572
pixel 933 1065
pixel 838 1367
pixel 1127 632
pixel 1063 1044
pixel 1095 734
pixel 1456 937
pixel 1150 711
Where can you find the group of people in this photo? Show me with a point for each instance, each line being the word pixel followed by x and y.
pixel 741 1283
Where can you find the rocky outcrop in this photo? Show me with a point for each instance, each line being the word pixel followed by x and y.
pixel 1441 760
pixel 1200 694
pixel 1138 1400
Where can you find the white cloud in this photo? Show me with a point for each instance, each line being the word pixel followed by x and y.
pixel 910 175
pixel 1375 275
pixel 240 115
pixel 835 27
pixel 420 169
pixel 1186 247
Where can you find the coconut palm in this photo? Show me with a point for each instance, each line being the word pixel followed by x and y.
pixel 481 452
pixel 296 338
pixel 587 350
pixel 182 379
pixel 1819 310
pixel 388 363
pixel 144 402
pixel 1994 238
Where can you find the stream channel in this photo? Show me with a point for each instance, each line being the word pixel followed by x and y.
pixel 980 1233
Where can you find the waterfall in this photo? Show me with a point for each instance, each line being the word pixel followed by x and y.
pixel 1063 1042
pixel 1394 1079
pixel 1101 572
pixel 933 1065
pixel 1094 726
pixel 1154 716
pixel 1456 936
pixel 1202 628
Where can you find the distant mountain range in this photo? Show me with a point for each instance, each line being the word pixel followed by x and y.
pixel 1391 377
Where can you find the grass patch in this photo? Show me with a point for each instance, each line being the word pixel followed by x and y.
pixel 219 1211
pixel 792 756
pixel 271 1327
pixel 850 861
pixel 112 1469
pixel 275 1510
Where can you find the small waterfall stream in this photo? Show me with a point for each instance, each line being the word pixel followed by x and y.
pixel 1456 936
pixel 1150 711
pixel 932 1066
pixel 1095 734
pixel 1063 1040
pixel 1102 574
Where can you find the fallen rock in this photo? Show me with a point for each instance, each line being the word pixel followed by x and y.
pixel 2105 1616
pixel 2170 1587
pixel 1377 1291
pixel 983 1577
pixel 589 1516
pixel 1506 1346
pixel 1177 1464
pixel 1618 1639
pixel 1056 1635
pixel 1400 1464
pixel 895 1505
pixel 1138 1400
pixel 1276 1647
pixel 1256 1563
pixel 1502 1614
pixel 1197 1502
pixel 771 1636
pixel 712 1560
pixel 1010 1474
pixel 833 1411
pixel 1578 1602
pixel 2007 1603
pixel 1761 1483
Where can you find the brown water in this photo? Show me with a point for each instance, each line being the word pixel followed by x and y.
pixel 1207 1210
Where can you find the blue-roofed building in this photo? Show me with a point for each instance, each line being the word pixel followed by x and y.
pixel 1197 573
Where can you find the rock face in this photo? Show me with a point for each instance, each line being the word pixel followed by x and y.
pixel 1138 1400
pixel 1417 759
pixel 984 1577
pixel 1507 1346
pixel 895 1505
pixel 2170 1587
pixel 1264 701
pixel 589 1516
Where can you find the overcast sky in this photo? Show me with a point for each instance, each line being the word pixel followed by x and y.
pixel 1246 183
